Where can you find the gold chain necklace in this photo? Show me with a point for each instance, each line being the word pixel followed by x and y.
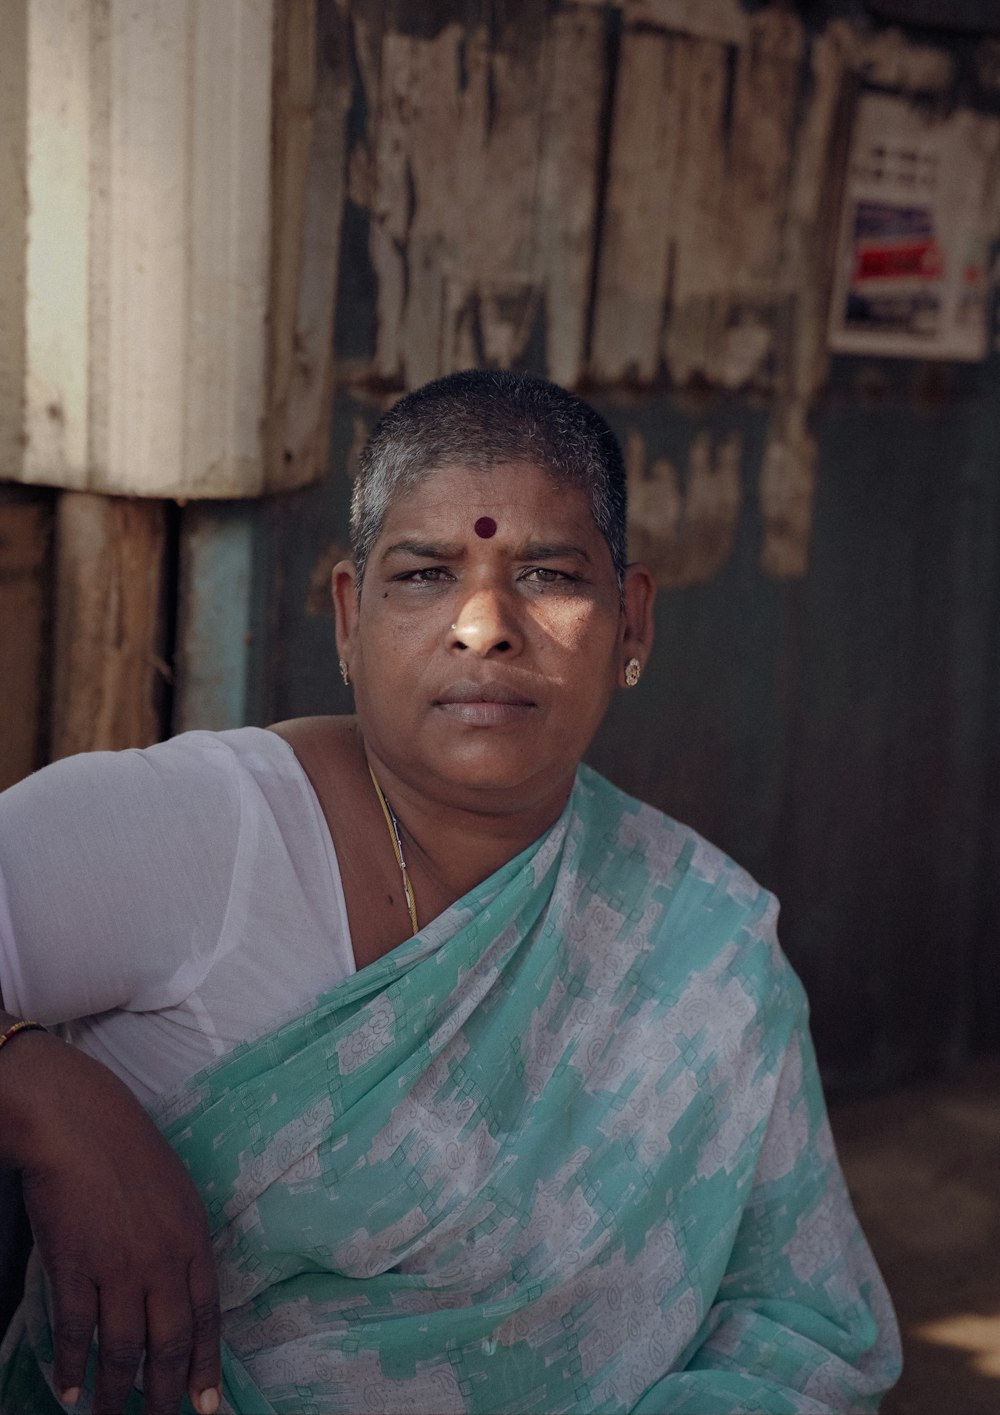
pixel 397 849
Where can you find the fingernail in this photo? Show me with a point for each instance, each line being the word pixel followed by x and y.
pixel 208 1402
pixel 71 1396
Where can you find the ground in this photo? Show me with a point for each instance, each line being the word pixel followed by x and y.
pixel 923 1166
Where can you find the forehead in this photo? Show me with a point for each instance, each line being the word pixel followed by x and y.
pixel 509 493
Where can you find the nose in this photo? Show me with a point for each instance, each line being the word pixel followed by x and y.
pixel 485 626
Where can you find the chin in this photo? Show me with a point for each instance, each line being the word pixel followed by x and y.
pixel 520 778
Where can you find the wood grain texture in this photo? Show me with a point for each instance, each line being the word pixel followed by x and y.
pixel 692 280
pixel 576 75
pixel 481 161
pixel 889 58
pixel 638 236
pixel 25 538
pixel 312 94
pixel 109 623
pixel 724 20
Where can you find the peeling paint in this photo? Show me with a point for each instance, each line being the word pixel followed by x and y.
pixel 683 529
pixel 786 494
pixel 25 536
pixel 724 20
pixel 484 193
pixel 891 60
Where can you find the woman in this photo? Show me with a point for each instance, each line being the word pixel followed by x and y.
pixel 494 1089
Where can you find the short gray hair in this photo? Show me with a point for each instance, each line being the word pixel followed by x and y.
pixel 482 418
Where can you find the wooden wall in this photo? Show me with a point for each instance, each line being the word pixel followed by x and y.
pixel 639 200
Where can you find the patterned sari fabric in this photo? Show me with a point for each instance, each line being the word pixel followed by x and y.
pixel 565 1150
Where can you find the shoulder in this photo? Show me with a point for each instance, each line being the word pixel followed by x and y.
pixel 181 793
pixel 668 854
pixel 179 797
pixel 700 918
pixel 187 757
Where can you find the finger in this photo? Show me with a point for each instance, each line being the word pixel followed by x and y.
pixel 205 1374
pixel 121 1340
pixel 169 1332
pixel 74 1317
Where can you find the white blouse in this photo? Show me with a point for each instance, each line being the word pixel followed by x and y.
pixel 169 902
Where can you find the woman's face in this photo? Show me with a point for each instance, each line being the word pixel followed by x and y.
pixel 488 636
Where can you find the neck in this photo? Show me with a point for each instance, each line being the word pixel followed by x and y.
pixel 451 847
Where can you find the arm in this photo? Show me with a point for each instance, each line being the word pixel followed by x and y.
pixel 90 912
pixel 120 1228
pixel 801 1321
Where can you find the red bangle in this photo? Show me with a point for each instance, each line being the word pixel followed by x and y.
pixel 5 1037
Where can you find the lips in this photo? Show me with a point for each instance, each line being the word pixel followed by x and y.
pixel 488 704
pixel 465 691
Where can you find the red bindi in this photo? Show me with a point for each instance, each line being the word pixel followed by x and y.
pixel 485 527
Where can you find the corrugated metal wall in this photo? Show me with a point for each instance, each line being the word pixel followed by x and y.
pixel 822 696
pixel 639 200
pixel 836 733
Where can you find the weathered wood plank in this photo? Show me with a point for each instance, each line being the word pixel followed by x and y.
pixel 809 234
pixel 691 275
pixel 637 239
pixel 723 20
pixel 25 536
pixel 765 101
pixel 574 84
pixel 312 94
pixel 889 58
pixel 109 623
pixel 727 317
pixel 807 239
pixel 482 188
pixel 702 273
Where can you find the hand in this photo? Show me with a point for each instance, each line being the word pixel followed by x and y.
pixel 121 1232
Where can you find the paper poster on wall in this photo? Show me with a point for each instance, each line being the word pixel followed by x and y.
pixel 917 230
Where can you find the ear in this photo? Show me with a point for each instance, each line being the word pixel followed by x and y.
pixel 638 593
pixel 343 586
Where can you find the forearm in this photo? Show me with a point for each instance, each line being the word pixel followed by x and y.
pixel 26 1064
pixel 119 1227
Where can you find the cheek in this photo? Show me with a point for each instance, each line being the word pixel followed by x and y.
pixel 581 629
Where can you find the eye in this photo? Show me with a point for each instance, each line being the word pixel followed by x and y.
pixel 546 575
pixel 426 575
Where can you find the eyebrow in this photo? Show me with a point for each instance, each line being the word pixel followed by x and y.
pixel 423 550
pixel 533 550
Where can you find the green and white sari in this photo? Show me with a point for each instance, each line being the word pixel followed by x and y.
pixel 564 1150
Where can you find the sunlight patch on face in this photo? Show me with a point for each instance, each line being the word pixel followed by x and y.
pixel 971 1332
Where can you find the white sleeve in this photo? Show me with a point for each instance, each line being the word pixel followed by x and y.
pixel 115 875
